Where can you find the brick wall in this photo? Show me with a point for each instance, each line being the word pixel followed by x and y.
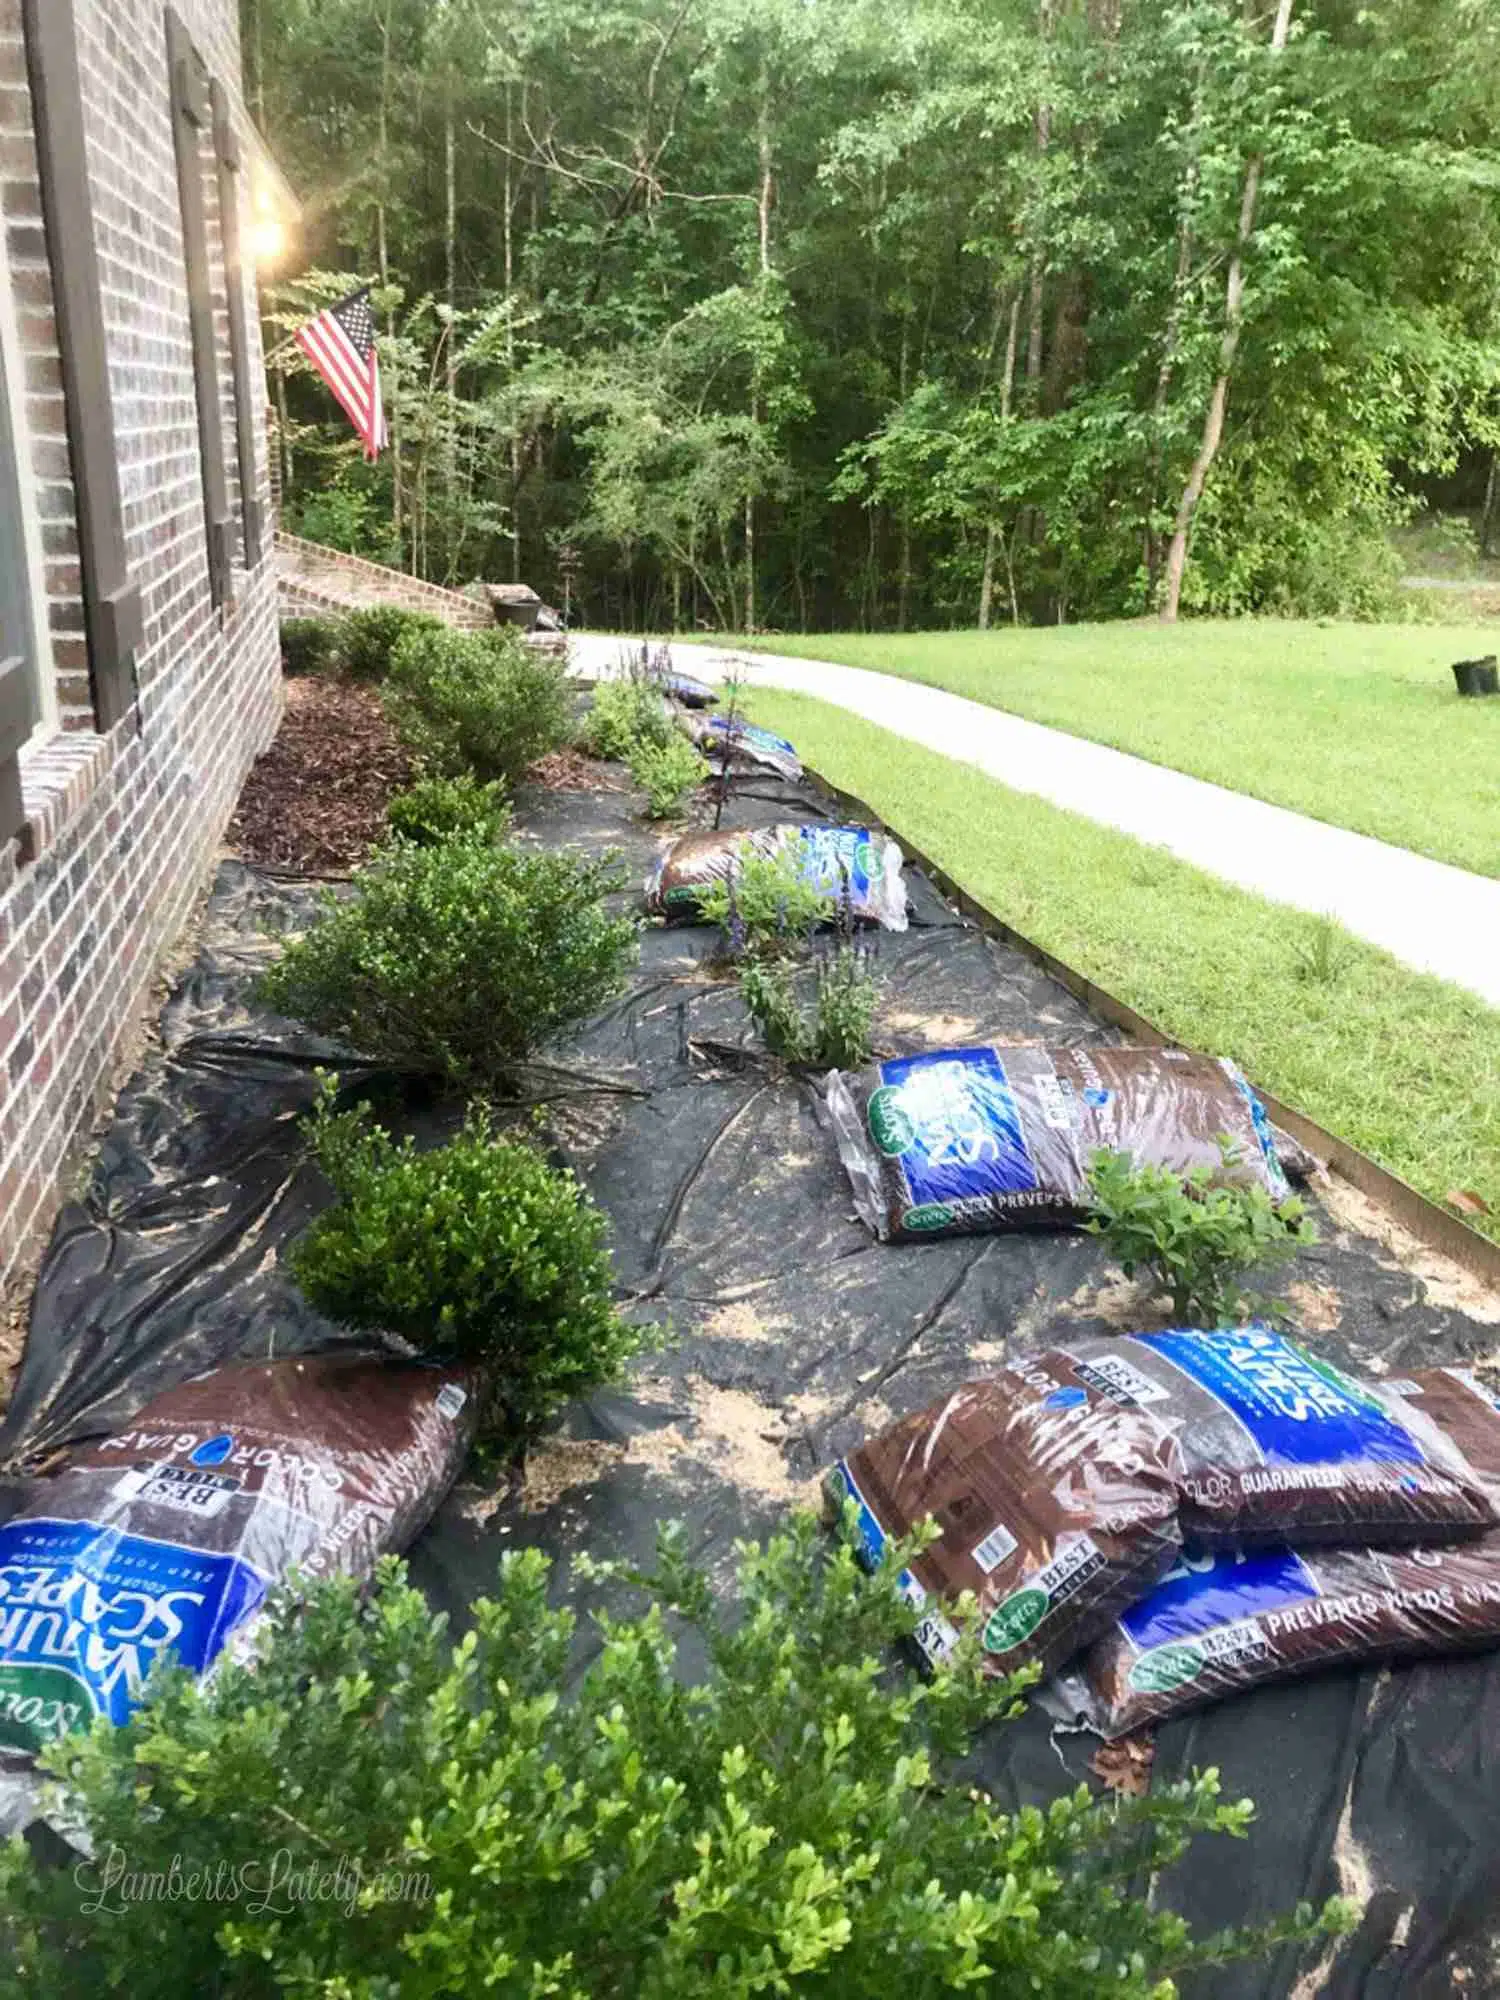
pixel 122 828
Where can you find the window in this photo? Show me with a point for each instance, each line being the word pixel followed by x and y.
pixel 26 694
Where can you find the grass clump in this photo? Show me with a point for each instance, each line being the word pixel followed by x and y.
pixel 437 809
pixel 459 959
pixel 625 714
pixel 1194 1238
pixel 484 703
pixel 477 1250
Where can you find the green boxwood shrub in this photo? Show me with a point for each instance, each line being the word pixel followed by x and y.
pixel 384 1813
pixel 435 809
pixel 310 645
pixel 458 959
pixel 483 702
pixel 476 1249
pixel 370 637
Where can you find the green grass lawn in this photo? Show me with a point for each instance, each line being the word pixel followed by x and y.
pixel 1402 1065
pixel 1359 725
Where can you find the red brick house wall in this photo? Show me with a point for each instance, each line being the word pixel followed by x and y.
pixel 121 826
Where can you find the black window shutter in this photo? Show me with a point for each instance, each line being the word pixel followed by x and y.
pixel 111 600
pixel 191 112
pixel 227 152
pixel 15 727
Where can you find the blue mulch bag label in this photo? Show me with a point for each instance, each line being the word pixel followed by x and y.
pixel 828 857
pixel 935 1636
pixel 1206 1591
pixel 86 1610
pixel 1296 1409
pixel 952 1120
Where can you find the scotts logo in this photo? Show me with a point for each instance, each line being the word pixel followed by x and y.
pixel 1165 1668
pixel 214 1450
pixel 890 1124
pixel 1014 1618
pixel 928 1215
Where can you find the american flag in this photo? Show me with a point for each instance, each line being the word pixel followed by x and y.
pixel 340 344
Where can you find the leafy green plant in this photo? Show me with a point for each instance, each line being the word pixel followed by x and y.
pixel 483 702
pixel 370 637
pixel 458 959
pixel 623 715
pixel 1193 1237
pixel 1323 953
pixel 477 1249
pixel 667 773
pixel 835 1033
pixel 784 1818
pixel 309 645
pixel 435 809
pixel 765 907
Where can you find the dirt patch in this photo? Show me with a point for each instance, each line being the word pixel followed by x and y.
pixel 571 771
pixel 1125 1765
pixel 940 1030
pixel 1318 1307
pixel 740 1321
pixel 1128 1303
pixel 316 800
pixel 1446 1283
pixel 557 1465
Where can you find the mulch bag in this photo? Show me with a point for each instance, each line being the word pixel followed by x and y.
pixel 1276 1445
pixel 1221 1623
pixel 1055 1501
pixel 749 748
pixel 835 859
pixel 691 693
pixel 169 1536
pixel 962 1141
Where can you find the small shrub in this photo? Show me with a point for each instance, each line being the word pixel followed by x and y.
pixel 309 645
pixel 1194 1238
pixel 484 702
pixel 625 714
pixel 766 907
pixel 666 773
pixel 476 1249
pixel 370 638
pixel 755 1807
pixel 835 1034
pixel 457 960
pixel 435 809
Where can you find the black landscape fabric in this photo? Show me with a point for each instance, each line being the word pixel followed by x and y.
pixel 795 1335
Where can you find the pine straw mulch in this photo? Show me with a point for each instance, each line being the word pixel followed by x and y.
pixel 316 801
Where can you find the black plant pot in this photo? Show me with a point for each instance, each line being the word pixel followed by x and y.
pixel 1477 677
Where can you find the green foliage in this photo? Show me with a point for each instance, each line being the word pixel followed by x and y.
pixel 783 1818
pixel 310 645
pixel 480 702
pixel 623 714
pixel 1324 953
pixel 458 959
pixel 667 773
pixel 836 1032
pixel 371 636
pixel 476 1249
pixel 436 809
pixel 1195 1239
pixel 766 908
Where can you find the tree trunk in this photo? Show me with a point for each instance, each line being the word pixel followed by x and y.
pixel 1043 136
pixel 450 370
pixel 1234 308
pixel 987 580
pixel 383 265
pixel 1007 396
pixel 511 361
pixel 763 217
pixel 1164 373
pixel 1491 507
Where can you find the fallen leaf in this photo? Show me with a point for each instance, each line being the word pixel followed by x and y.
pixel 1125 1764
pixel 1467 1202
